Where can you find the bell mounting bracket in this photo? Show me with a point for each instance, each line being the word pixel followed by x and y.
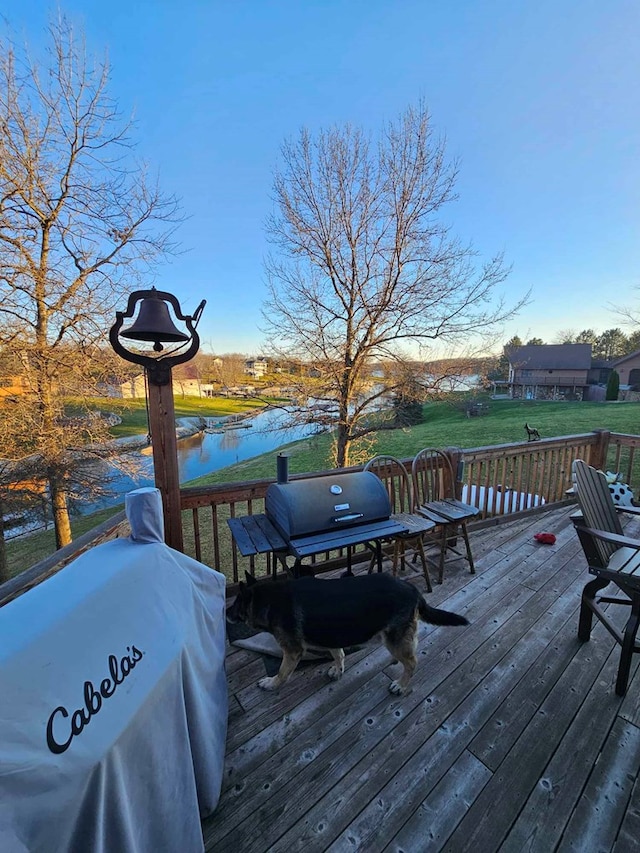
pixel 158 368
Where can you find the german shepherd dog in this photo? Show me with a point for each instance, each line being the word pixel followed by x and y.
pixel 334 614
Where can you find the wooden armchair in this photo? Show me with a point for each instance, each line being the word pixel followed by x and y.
pixel 435 498
pixel 612 558
pixel 398 484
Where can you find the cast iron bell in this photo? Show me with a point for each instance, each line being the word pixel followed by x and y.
pixel 154 323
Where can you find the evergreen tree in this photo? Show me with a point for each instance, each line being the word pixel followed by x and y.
pixel 515 341
pixel 613 386
pixel 408 410
pixel 501 372
pixel 588 336
pixel 633 342
pixel 611 344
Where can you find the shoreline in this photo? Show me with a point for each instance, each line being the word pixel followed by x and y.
pixel 186 427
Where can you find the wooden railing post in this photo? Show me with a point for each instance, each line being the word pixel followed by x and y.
pixel 455 455
pixel 598 454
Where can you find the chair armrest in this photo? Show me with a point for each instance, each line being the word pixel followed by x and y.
pixel 614 538
pixel 630 510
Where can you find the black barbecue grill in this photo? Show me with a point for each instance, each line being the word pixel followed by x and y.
pixel 311 515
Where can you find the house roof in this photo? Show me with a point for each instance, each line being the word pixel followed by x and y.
pixel 550 356
pixel 186 372
pixel 627 357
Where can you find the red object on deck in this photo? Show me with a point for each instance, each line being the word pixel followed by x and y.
pixel 545 538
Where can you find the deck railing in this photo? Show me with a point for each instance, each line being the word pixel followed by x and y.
pixel 546 379
pixel 501 480
pixel 621 457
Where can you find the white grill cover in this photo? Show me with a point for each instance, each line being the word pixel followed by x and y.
pixel 113 700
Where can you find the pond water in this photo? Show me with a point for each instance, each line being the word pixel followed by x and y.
pixel 205 452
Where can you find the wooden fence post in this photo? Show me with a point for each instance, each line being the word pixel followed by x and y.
pixel 455 457
pixel 598 451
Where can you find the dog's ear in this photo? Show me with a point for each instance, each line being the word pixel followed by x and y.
pixel 250 579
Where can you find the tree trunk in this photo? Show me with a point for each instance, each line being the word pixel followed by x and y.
pixel 60 513
pixel 342 447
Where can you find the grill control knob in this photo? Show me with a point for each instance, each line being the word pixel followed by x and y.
pixel 336 490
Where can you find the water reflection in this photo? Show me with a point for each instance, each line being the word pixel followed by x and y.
pixel 230 440
pixel 209 451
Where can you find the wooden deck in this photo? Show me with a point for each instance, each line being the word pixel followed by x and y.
pixel 511 737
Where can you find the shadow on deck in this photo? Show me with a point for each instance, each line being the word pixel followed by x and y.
pixel 511 737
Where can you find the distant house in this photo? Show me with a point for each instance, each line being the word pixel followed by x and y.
pixel 186 381
pixel 628 369
pixel 129 389
pixel 256 367
pixel 554 372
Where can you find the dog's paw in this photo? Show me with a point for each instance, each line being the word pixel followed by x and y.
pixel 269 683
pixel 334 672
pixel 396 688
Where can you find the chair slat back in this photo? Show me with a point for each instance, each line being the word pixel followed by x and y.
pixel 432 476
pixel 396 480
pixel 596 505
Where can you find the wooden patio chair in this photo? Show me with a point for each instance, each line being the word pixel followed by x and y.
pixel 434 495
pixel 398 484
pixel 612 558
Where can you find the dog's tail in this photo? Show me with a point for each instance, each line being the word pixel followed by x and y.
pixel 439 617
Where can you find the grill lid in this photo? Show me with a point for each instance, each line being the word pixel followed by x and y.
pixel 331 502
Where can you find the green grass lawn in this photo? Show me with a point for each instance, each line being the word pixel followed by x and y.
pixel 134 412
pixel 447 425
pixel 25 551
pixel 444 425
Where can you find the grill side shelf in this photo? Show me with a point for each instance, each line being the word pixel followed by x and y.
pixel 254 534
pixel 331 540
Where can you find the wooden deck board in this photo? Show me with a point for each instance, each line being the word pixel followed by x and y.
pixel 595 822
pixel 511 737
pixel 454 734
pixel 627 840
pixel 440 812
pixel 485 826
pixel 542 822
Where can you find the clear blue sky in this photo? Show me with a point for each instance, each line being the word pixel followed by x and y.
pixel 538 100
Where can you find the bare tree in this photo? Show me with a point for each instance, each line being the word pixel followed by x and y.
pixel 367 268
pixel 565 336
pixel 80 222
pixel 629 314
pixel 21 486
pixel 228 369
